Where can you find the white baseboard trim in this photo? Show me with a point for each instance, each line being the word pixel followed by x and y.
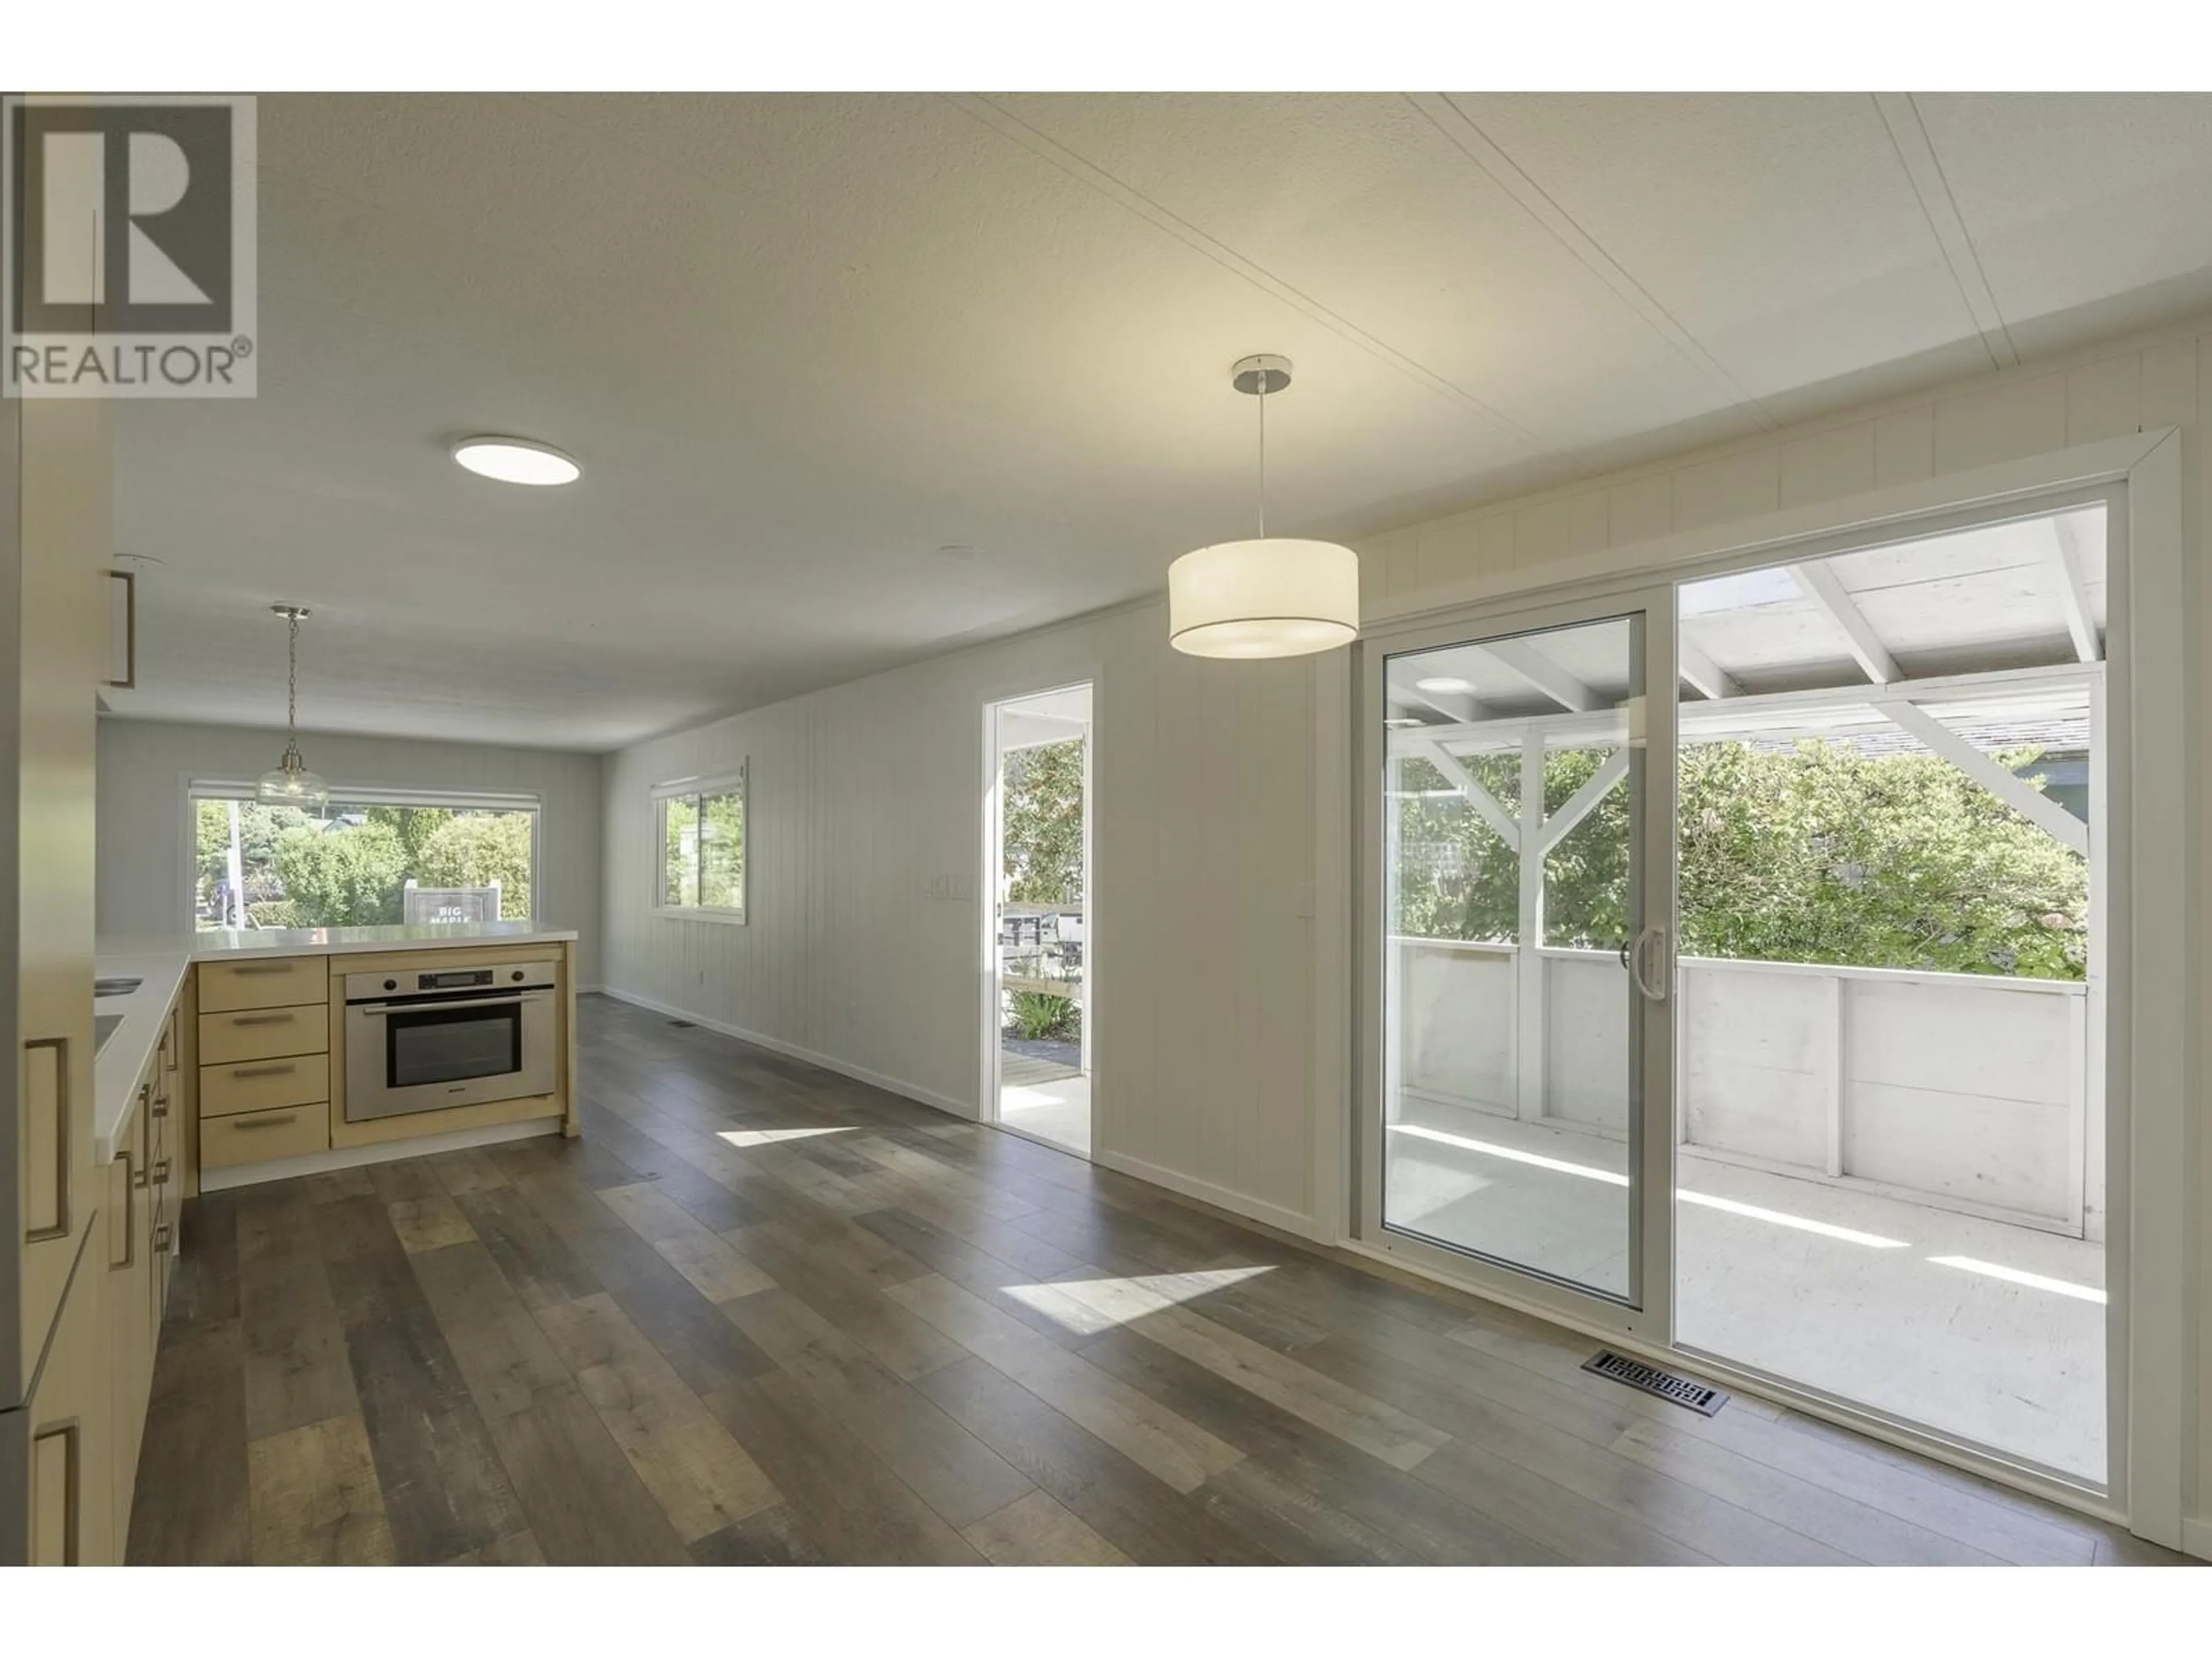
pixel 2197 1538
pixel 383 1151
pixel 914 1092
pixel 1256 1209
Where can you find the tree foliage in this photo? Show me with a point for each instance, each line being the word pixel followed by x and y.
pixel 474 849
pixel 1824 854
pixel 1041 833
pixel 346 877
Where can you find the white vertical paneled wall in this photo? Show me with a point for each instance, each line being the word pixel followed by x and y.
pixel 866 807
pixel 142 869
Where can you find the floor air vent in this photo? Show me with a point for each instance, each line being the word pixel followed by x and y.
pixel 681 1024
pixel 1650 1378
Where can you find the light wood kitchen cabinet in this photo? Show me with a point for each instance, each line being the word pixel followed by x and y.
pixel 263 982
pixel 69 1515
pixel 56 1409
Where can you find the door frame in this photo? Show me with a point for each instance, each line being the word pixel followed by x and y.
pixel 2151 995
pixel 1646 1310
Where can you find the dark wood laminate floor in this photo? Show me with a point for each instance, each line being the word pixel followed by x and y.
pixel 760 1314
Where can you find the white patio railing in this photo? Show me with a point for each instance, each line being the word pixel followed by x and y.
pixel 1966 1091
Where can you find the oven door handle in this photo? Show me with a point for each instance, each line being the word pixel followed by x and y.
pixel 514 999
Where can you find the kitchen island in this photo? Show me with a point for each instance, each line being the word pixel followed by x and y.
pixel 462 1034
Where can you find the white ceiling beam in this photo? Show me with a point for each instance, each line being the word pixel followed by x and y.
pixel 1519 657
pixel 1583 801
pixel 1822 586
pixel 1469 784
pixel 1700 670
pixel 2073 596
pixel 2016 792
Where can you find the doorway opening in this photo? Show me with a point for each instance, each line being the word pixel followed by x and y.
pixel 1037 1078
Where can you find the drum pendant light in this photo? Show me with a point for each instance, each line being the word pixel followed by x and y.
pixel 1269 597
pixel 292 783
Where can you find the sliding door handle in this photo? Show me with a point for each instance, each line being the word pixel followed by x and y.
pixel 1649 964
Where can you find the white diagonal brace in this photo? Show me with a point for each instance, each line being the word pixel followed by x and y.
pixel 2017 793
pixel 2073 598
pixel 1582 801
pixel 1700 671
pixel 1471 787
pixel 1821 586
pixel 1519 657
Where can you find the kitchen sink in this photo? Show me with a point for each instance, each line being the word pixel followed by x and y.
pixel 103 1027
pixel 115 988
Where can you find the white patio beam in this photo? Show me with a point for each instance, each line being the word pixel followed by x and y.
pixel 1609 727
pixel 1520 658
pixel 2073 596
pixel 2016 792
pixel 1452 705
pixel 1583 801
pixel 1700 671
pixel 1822 586
pixel 1471 787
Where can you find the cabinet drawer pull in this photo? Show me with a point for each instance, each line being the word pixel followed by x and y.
pixel 129 680
pixel 60 1229
pixel 160 1173
pixel 133 1180
pixel 72 1437
pixel 288 1067
pixel 263 1019
pixel 162 1237
pixel 160 1107
pixel 266 1120
pixel 264 968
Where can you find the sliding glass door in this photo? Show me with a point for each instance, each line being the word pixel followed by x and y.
pixel 1518 773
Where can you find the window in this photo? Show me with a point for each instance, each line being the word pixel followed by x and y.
pixel 700 829
pixel 369 857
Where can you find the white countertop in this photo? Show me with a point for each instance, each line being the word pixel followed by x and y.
pixel 160 963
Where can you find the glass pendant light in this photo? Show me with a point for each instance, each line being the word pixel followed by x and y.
pixel 1269 597
pixel 292 783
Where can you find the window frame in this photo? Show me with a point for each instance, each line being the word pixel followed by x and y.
pixel 733 781
pixel 199 789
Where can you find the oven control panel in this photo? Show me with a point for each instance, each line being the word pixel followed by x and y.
pixel 462 979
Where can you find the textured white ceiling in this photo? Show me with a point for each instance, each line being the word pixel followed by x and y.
pixel 804 343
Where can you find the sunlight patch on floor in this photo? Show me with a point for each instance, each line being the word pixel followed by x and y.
pixel 1089 1306
pixel 771 1137
pixel 2015 1276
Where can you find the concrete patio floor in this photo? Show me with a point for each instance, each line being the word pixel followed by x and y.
pixel 1981 1329
pixel 1050 1101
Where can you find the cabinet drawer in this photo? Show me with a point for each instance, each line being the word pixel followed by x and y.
pixel 276 982
pixel 258 1033
pixel 256 1085
pixel 256 1137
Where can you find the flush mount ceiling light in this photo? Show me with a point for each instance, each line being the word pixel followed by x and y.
pixel 1443 685
pixel 292 783
pixel 516 460
pixel 1268 597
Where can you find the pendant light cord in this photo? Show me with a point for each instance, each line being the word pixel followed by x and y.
pixel 292 683
pixel 1263 454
